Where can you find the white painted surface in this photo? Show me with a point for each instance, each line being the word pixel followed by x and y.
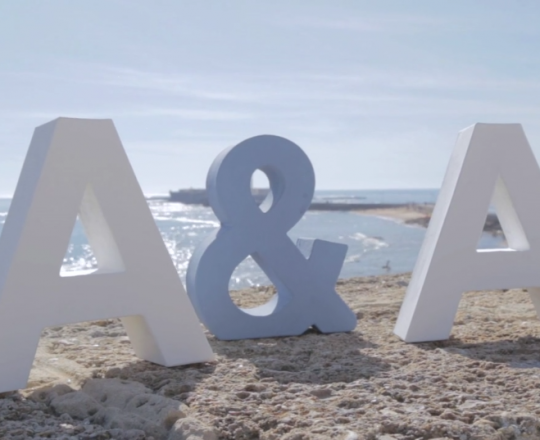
pixel 305 275
pixel 77 166
pixel 489 162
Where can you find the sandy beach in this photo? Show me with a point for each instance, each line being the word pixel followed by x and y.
pixel 483 383
pixel 420 214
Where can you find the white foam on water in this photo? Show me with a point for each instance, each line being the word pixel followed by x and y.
pixel 211 223
pixel 165 207
pixel 355 258
pixel 373 243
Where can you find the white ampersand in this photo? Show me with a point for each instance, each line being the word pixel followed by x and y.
pixel 304 274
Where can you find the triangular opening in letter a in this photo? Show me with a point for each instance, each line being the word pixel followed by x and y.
pixel 79 258
pixel 502 228
pixel 92 246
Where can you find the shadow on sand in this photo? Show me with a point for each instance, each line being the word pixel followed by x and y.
pixel 310 358
pixel 523 352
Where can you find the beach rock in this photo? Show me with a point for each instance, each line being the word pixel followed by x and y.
pixel 483 383
pixel 321 393
pixel 130 434
pixel 48 393
pixel 114 418
pixel 114 392
pixel 191 429
pixel 130 405
pixel 158 409
pixel 78 405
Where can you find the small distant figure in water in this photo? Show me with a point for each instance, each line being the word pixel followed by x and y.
pixel 387 266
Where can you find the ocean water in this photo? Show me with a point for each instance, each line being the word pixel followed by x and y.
pixel 375 245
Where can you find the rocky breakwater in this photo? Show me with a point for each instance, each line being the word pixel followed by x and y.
pixel 483 383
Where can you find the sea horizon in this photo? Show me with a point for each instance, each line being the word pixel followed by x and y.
pixel 376 244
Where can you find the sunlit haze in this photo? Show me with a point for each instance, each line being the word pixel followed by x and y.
pixel 374 91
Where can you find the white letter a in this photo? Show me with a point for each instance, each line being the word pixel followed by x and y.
pixel 79 166
pixel 488 160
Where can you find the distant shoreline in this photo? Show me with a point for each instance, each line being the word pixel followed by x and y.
pixel 408 213
pixel 199 197
pixel 420 214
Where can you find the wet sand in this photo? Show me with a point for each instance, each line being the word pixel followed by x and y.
pixel 483 383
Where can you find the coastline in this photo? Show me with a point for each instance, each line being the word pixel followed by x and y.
pixel 409 214
pixel 483 383
pixel 420 214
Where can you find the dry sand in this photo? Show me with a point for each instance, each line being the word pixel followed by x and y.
pixel 414 213
pixel 483 383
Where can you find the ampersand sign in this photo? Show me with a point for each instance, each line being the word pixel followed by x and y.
pixel 304 275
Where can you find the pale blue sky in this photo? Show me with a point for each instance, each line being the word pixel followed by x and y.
pixel 374 91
